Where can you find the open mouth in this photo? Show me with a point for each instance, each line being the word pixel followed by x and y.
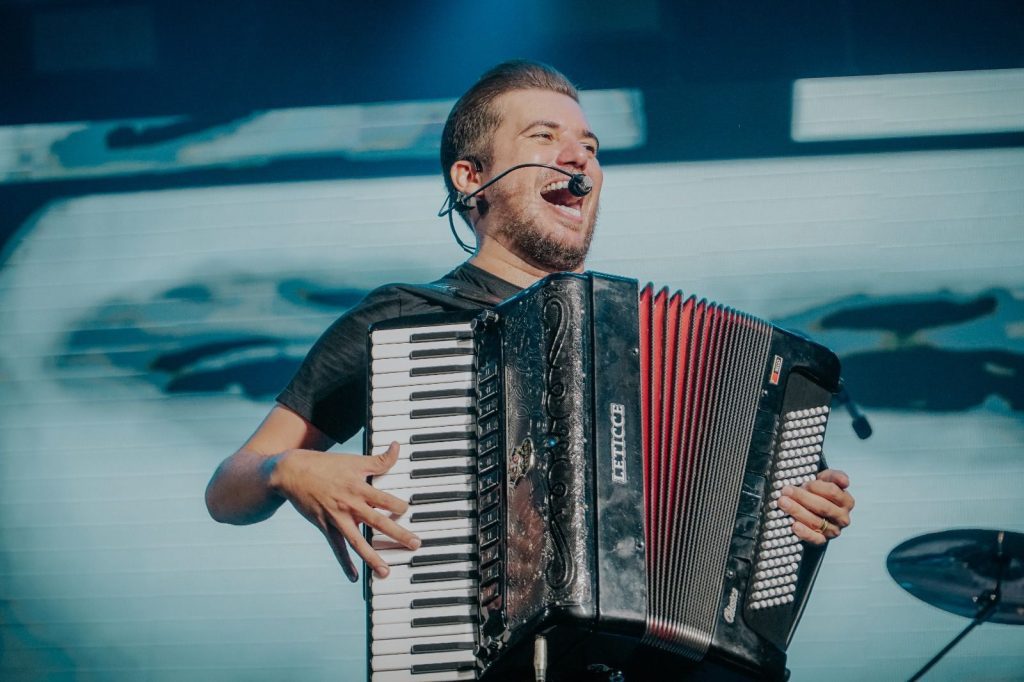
pixel 558 195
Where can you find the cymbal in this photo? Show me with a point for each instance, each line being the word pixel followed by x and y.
pixel 952 568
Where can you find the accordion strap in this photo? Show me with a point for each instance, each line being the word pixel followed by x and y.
pixel 453 294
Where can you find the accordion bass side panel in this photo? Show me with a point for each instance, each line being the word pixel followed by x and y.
pixel 769 572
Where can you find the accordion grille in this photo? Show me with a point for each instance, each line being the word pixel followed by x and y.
pixel 701 373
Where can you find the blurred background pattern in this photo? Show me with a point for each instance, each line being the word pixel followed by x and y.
pixel 190 192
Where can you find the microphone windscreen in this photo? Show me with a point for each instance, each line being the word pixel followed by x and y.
pixel 580 185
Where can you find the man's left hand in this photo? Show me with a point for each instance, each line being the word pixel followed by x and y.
pixel 820 508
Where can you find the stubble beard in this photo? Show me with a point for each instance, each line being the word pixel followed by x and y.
pixel 526 235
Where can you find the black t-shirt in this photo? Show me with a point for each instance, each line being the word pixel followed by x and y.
pixel 329 388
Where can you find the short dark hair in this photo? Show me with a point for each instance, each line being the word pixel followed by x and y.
pixel 473 119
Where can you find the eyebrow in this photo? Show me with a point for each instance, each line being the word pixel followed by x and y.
pixel 557 126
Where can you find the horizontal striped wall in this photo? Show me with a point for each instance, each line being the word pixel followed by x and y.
pixel 118 402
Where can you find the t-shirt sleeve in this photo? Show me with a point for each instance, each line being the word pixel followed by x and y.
pixel 329 388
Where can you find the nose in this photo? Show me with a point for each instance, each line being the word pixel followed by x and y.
pixel 573 154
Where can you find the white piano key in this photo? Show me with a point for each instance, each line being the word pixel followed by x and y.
pixel 398 557
pixel 381 541
pixel 404 435
pixel 408 450
pixel 392 407
pixel 408 676
pixel 404 421
pixel 403 572
pixel 404 335
pixel 404 601
pixel 392 379
pixel 407 661
pixel 403 646
pixel 405 630
pixel 406 465
pixel 390 365
pixel 406 393
pixel 416 506
pixel 398 480
pixel 393 585
pixel 420 527
pixel 381 616
pixel 404 350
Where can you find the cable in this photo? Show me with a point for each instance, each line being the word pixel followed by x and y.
pixel 579 185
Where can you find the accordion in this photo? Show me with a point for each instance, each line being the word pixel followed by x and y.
pixel 593 472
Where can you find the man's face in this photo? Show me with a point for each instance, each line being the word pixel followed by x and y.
pixel 530 211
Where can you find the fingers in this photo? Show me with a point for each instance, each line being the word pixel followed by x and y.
pixel 834 494
pixel 835 476
pixel 808 535
pixel 383 524
pixel 386 501
pixel 379 464
pixel 351 532
pixel 337 542
pixel 820 508
pixel 824 500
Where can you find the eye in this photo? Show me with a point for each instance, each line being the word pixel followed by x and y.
pixel 546 135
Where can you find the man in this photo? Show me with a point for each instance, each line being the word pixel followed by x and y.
pixel 527 225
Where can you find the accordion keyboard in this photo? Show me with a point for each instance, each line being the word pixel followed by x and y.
pixel 423 616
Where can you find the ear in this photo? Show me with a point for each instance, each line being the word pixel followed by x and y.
pixel 465 175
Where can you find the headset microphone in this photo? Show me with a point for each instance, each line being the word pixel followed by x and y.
pixel 580 185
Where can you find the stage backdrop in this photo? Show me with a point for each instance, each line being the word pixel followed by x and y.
pixel 144 335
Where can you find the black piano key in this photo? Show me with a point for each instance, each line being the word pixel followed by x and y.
pixel 418 438
pixel 441 647
pixel 442 471
pixel 426 337
pixel 443 576
pixel 442 393
pixel 429 412
pixel 453 540
pixel 439 369
pixel 440 496
pixel 425 455
pixel 424 668
pixel 439 602
pixel 435 559
pixel 439 353
pixel 443 515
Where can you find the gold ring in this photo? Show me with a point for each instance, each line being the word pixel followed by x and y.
pixel 825 525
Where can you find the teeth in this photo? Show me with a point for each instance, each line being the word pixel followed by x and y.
pixel 570 210
pixel 561 184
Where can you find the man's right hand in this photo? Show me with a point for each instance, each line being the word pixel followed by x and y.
pixel 331 491
pixel 285 459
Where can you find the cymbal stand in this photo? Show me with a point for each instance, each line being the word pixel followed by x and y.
pixel 988 602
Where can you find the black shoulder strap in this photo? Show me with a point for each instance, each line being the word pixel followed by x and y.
pixel 453 293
